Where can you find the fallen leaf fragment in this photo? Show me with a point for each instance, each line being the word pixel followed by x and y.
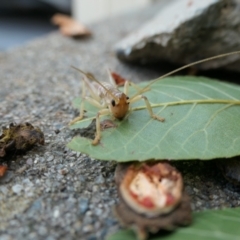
pixel 3 169
pixel 69 26
pixel 151 197
pixel 107 123
pixel 119 80
pixel 19 137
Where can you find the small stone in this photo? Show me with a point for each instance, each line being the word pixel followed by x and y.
pixel 50 158
pixel 83 205
pixel 4 189
pixel 57 131
pixel 100 179
pixel 63 171
pixel 98 211
pixel 87 228
pixel 29 161
pixel 56 213
pixel 195 190
pixel 36 206
pixel 17 188
pixel 42 230
pixel 95 188
pixel 5 237
pixel 7 177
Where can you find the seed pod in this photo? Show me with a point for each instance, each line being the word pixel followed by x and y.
pixel 151 197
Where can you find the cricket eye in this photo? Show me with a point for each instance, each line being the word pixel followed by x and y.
pixel 113 103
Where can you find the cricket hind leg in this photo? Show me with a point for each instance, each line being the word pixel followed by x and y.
pixel 148 105
pixel 81 115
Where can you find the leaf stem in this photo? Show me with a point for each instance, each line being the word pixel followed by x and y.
pixel 197 101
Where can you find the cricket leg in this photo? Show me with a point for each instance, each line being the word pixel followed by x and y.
pixel 91 101
pixel 126 87
pixel 100 113
pixel 110 78
pixel 94 100
pixel 148 105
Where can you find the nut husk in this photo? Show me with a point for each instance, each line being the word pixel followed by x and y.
pixel 143 223
pixel 19 138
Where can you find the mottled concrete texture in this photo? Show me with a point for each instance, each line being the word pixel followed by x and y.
pixel 52 192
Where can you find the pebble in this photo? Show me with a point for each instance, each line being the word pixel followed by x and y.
pixel 50 158
pixel 87 228
pixel 83 205
pixel 29 161
pixel 4 189
pixel 100 179
pixel 17 188
pixel 56 213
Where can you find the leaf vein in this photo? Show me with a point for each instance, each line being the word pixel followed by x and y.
pixel 187 89
pixel 217 90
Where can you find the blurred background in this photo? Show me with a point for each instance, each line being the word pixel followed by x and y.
pixel 24 20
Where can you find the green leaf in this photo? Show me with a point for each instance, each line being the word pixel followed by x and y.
pixel 202 119
pixel 210 225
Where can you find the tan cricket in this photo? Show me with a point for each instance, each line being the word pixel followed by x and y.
pixel 111 101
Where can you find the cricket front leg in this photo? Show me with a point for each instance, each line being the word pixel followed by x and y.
pixel 148 105
pixel 98 126
pixel 81 115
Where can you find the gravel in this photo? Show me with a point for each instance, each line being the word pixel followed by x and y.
pixel 52 192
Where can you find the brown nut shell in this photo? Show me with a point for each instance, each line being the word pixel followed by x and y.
pixel 178 214
pixel 151 189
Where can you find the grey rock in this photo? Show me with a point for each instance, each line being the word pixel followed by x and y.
pixel 7 177
pixel 17 188
pixel 50 158
pixel 83 205
pixel 100 179
pixel 185 31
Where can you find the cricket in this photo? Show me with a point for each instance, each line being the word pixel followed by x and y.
pixel 111 101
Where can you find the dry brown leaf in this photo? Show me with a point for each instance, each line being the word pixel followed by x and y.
pixel 119 80
pixel 69 26
pixel 19 138
pixel 3 169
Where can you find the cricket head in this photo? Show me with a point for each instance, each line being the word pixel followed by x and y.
pixel 120 107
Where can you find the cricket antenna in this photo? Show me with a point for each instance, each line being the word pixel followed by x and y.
pixel 183 67
pixel 90 76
